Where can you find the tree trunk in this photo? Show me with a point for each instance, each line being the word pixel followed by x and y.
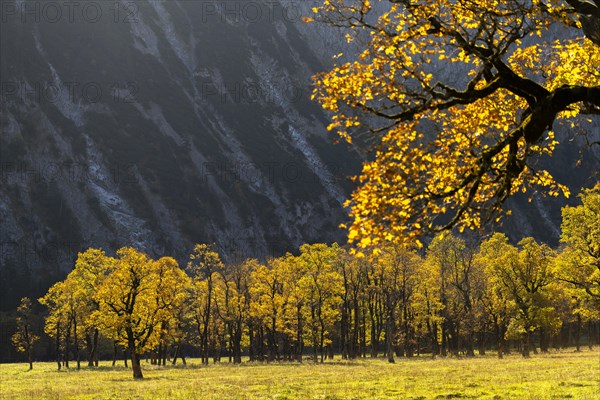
pixel 578 333
pixel 433 333
pixel 505 343
pixel 389 333
pixel 390 348
pixel 481 343
pixel 532 345
pixel 374 338
pixel 67 347
pixel 164 356
pixel 260 344
pixel 252 339
pixel 499 340
pixel 58 345
pixel 363 337
pixel 88 347
pixel 544 340
pixel 454 340
pixel 299 340
pixel 30 354
pixel 135 365
pixel 471 343
pixel 175 354
pixel 155 357
pixel 355 332
pixel 95 347
pixel 237 344
pixel 114 353
pixel 322 335
pixel 206 324
pixel 525 348
pixel 444 349
pixel 344 332
pixel 76 340
pixel 408 333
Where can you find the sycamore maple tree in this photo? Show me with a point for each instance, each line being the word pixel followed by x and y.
pixel 461 97
pixel 24 339
pixel 579 263
pixel 136 298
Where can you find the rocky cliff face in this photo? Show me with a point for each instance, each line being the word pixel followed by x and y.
pixel 159 124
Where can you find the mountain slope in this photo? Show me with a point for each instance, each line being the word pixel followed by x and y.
pixel 160 124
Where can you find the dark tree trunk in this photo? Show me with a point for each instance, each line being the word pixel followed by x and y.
pixel 454 340
pixel 363 337
pixel 88 347
pixel 237 344
pixel 273 340
pixel 525 347
pixel 58 345
pixel 76 340
pixel 175 354
pixel 30 354
pixel 374 338
pixel 532 345
pixel 471 344
pixel 390 333
pixel 251 351
pixel 499 340
pixel 260 344
pixel 95 347
pixel 206 324
pixel 322 335
pixel 544 341
pixel 506 344
pixel 164 355
pixel 114 362
pixel 355 333
pixel 135 365
pixel 408 334
pixel 66 355
pixel 299 339
pixel 433 334
pixel 481 343
pixel 344 332
pixel 578 333
pixel 389 342
pixel 444 349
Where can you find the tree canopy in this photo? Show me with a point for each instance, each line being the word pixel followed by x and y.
pixel 461 98
pixel 461 295
pixel 24 339
pixel 580 260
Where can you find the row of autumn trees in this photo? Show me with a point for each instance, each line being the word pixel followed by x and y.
pixel 456 297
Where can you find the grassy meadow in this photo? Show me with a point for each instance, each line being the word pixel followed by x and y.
pixel 557 375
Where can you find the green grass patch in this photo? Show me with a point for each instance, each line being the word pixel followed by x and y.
pixel 559 375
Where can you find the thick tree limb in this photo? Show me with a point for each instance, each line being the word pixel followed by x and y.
pixel 589 17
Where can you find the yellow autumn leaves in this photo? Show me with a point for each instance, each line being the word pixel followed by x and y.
pixel 450 87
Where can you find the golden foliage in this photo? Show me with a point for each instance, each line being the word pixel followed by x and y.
pixel 453 146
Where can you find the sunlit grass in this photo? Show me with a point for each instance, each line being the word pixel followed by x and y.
pixel 558 375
